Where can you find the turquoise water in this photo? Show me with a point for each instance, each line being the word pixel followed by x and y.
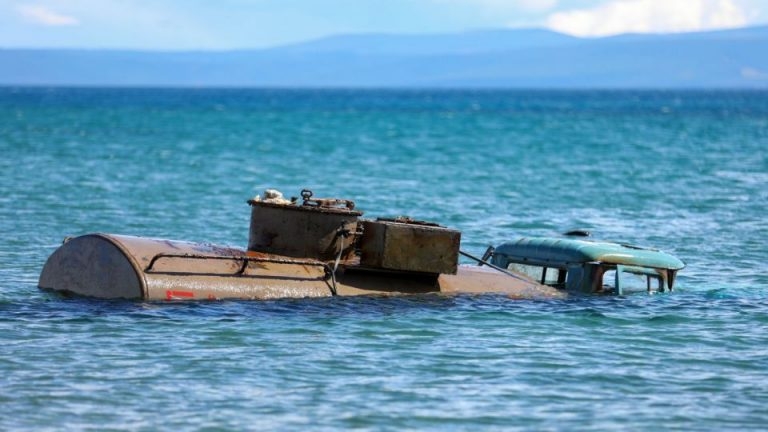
pixel 686 172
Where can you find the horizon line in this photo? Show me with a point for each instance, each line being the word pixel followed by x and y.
pixel 361 34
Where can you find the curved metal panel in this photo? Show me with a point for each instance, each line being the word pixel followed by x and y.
pixel 94 266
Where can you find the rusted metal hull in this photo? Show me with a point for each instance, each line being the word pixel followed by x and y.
pixel 115 266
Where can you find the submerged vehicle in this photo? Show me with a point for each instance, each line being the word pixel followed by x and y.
pixel 322 248
pixel 586 266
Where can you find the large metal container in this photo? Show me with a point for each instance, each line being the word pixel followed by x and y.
pixel 115 266
pixel 302 231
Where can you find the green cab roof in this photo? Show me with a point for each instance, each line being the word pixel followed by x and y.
pixel 563 251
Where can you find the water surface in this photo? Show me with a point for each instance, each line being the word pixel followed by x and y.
pixel 682 171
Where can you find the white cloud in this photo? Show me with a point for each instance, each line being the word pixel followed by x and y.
pixel 45 16
pixel 649 16
pixel 754 74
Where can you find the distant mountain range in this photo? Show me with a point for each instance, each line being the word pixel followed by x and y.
pixel 527 58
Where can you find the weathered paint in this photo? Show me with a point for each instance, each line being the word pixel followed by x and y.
pixel 302 231
pixel 406 246
pixel 585 261
pixel 546 250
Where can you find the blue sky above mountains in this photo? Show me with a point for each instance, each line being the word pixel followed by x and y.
pixel 238 24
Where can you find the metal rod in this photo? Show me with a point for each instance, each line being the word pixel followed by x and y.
pixel 497 268
pixel 245 259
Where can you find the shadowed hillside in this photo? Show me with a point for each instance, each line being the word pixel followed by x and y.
pixel 490 58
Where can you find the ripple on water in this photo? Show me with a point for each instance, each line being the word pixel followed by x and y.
pixel 496 165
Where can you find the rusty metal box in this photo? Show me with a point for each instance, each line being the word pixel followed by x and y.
pixel 301 231
pixel 415 247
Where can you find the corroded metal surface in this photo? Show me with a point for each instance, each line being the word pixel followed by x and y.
pixel 478 280
pixel 408 246
pixel 305 231
pixel 113 266
pixel 316 249
pixel 92 266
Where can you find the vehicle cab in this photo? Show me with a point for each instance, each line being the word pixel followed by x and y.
pixel 587 266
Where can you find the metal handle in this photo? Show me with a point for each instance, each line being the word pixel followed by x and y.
pixel 241 271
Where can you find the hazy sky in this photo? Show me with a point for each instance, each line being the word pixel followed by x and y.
pixel 232 24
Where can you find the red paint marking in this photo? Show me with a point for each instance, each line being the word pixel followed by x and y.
pixel 171 294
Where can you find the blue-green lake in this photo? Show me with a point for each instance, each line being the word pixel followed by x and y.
pixel 683 171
